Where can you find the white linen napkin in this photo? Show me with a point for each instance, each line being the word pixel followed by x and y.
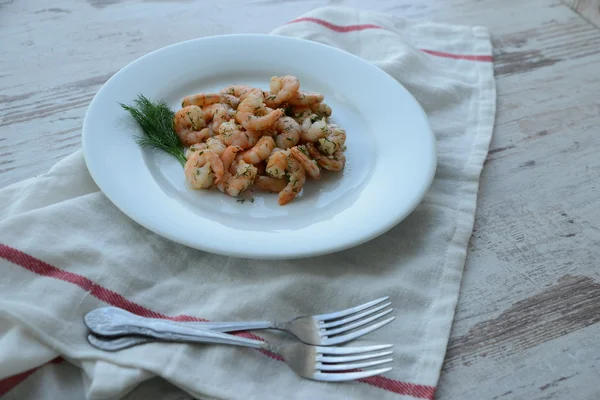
pixel 65 250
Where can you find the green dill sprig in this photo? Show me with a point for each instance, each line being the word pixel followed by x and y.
pixel 156 121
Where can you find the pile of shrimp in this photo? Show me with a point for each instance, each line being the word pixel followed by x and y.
pixel 244 137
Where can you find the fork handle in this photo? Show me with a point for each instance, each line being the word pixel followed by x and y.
pixel 112 321
pixel 94 318
pixel 231 326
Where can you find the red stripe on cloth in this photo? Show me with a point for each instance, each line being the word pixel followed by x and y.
pixel 353 28
pixel 334 27
pixel 458 56
pixel 404 388
pixel 40 267
pixel 9 383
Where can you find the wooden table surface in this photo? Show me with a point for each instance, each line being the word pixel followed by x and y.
pixel 526 326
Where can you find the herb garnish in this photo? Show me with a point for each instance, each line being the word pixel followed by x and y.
pixel 156 121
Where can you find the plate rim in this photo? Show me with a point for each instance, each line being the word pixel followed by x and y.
pixel 262 255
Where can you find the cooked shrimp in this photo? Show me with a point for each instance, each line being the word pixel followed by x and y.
pixel 200 99
pixel 228 131
pixel 209 112
pixel 190 118
pixel 268 98
pixel 207 132
pixel 334 162
pixel 289 133
pixel 201 178
pixel 297 177
pixel 260 151
pixel 232 135
pixel 254 136
pixel 313 130
pixel 200 168
pixel 195 147
pixel 216 145
pixel 230 100
pixel 232 158
pixel 299 113
pixel 303 98
pixel 229 156
pixel 230 111
pixel 307 122
pixel 277 163
pixel 242 179
pixel 241 91
pixel 217 113
pixel 310 166
pixel 333 141
pixel 270 184
pixel 272 139
pixel 267 132
pixel 235 183
pixel 213 144
pixel 189 124
pixel 282 89
pixel 220 115
pixel 321 109
pixel 263 110
pixel 246 114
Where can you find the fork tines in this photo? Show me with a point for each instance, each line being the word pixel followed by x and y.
pixel 349 363
pixel 342 326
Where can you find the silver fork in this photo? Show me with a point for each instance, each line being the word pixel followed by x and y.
pixel 320 363
pixel 319 330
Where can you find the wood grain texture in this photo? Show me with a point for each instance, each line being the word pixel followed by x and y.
pixel 527 324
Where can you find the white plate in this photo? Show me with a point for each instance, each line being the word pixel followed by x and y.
pixel 391 156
